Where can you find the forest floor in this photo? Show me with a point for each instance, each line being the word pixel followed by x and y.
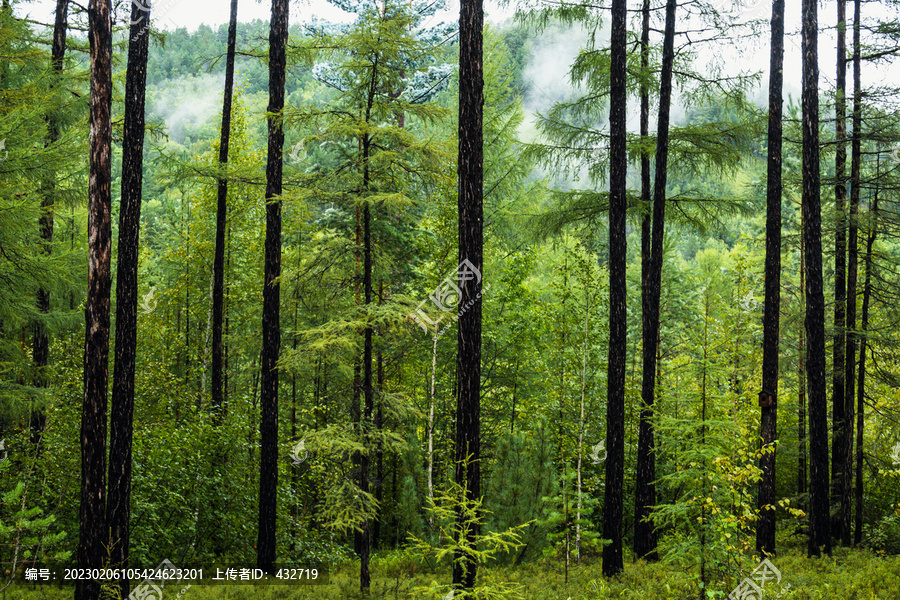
pixel 847 575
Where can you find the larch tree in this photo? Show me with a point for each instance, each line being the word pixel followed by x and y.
pixel 218 292
pixel 615 394
pixel 650 298
pixel 819 522
pixel 645 541
pixel 470 169
pixel 765 527
pixel 118 500
pixel 92 523
pixel 271 325
pixel 40 340
pixel 838 371
pixel 846 483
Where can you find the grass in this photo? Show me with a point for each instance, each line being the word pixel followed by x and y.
pixel 847 575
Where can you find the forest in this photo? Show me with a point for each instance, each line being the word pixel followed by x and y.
pixel 595 301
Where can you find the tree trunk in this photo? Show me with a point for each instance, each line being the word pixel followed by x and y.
pixel 218 295
pixel 801 376
pixel 271 326
pixel 431 424
pixel 819 524
pixel 584 355
pixel 40 349
pixel 645 488
pixel 838 404
pixel 852 267
pixel 118 502
pixel 765 527
pixel 615 391
pixel 96 343
pixel 861 386
pixel 471 244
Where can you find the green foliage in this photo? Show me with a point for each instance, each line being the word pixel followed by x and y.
pixel 459 526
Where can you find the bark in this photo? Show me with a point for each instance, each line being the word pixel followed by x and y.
pixel 368 390
pixel 615 392
pixel 96 344
pixel 40 348
pixel 471 244
pixel 838 404
pixel 118 508
pixel 584 356
pixel 765 527
pixel 820 526
pixel 271 326
pixel 218 295
pixel 852 264
pixel 801 377
pixel 861 386
pixel 645 489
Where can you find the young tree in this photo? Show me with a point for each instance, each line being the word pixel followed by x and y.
pixel 96 313
pixel 471 243
pixel 218 295
pixel 271 325
pixel 615 394
pixel 819 523
pixel 118 500
pixel 765 528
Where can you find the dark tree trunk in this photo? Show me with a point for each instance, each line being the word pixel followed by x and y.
pixel 802 468
pixel 471 244
pixel 645 488
pixel 271 325
pixel 615 393
pixel 652 284
pixel 819 523
pixel 91 552
pixel 218 295
pixel 118 500
pixel 852 267
pixel 365 541
pixel 861 386
pixel 765 527
pixel 838 404
pixel 40 349
pixel 368 390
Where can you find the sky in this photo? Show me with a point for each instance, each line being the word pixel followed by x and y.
pixel 171 14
